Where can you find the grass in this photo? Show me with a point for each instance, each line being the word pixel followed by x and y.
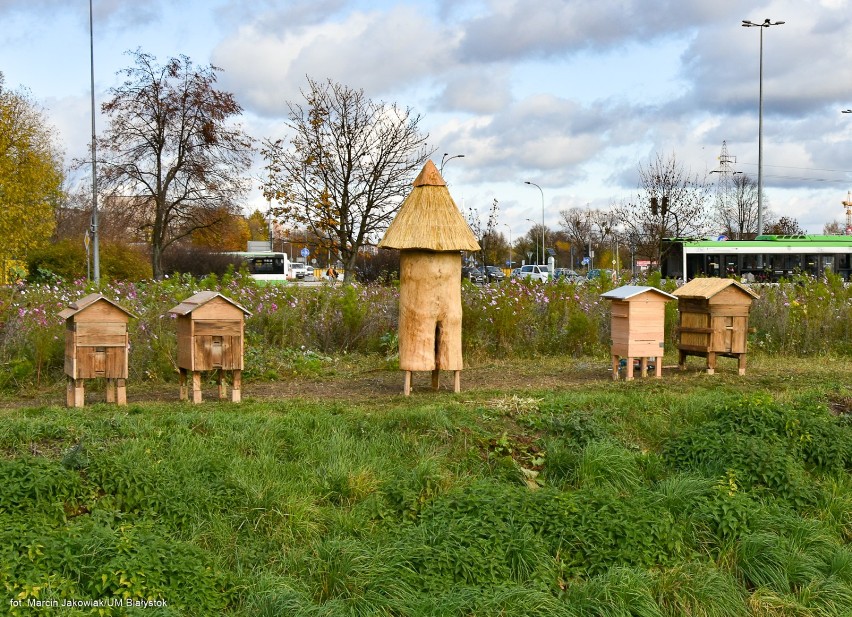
pixel 694 495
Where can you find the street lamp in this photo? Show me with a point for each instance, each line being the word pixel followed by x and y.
pixel 542 214
pixel 445 160
pixel 750 24
pixel 95 232
pixel 510 244
pixel 536 244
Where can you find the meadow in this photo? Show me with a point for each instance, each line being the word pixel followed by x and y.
pixel 692 495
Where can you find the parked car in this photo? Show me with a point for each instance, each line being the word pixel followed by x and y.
pixel 534 272
pixel 597 273
pixel 568 274
pixel 494 274
pixel 515 273
pixel 473 275
pixel 299 270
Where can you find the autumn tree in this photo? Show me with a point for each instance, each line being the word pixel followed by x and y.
pixel 588 230
pixel 227 232
pixel 172 151
pixel 785 226
pixel 670 202
pixel 30 177
pixel 348 164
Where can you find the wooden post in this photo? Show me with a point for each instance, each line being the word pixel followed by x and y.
pixel 615 360
pixel 643 367
pixel 658 367
pixel 196 386
pixel 182 383
pixel 406 383
pixel 236 386
pixel 628 376
pixel 436 378
pixel 110 390
pixel 711 362
pixel 121 391
pixel 220 382
pixel 456 381
pixel 741 364
pixel 75 393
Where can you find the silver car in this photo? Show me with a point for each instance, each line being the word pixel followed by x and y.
pixel 534 272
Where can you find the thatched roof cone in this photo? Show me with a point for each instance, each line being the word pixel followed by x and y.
pixel 429 218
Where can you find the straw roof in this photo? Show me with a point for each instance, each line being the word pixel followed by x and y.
pixel 706 288
pixel 429 218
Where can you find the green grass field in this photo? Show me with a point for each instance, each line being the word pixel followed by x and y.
pixel 692 495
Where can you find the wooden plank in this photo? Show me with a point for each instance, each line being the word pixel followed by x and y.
pixel 215 309
pixel 218 327
pixel 101 312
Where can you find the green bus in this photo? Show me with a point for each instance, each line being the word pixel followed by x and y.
pixel 764 259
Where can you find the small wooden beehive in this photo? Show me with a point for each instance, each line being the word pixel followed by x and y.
pixel 210 331
pixel 430 233
pixel 638 327
pixel 96 345
pixel 713 320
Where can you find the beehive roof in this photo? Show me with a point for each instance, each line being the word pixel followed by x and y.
pixel 628 291
pixel 85 302
pixel 429 218
pixel 200 299
pixel 706 288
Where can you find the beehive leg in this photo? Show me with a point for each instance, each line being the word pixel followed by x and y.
pixel 615 360
pixel 643 367
pixel 436 378
pixel 121 391
pixel 220 382
pixel 196 386
pixel 741 363
pixel 681 360
pixel 237 386
pixel 406 383
pixel 456 381
pixel 110 390
pixel 182 382
pixel 711 362
pixel 658 367
pixel 628 372
pixel 75 393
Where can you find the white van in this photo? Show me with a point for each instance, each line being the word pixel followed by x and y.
pixel 534 272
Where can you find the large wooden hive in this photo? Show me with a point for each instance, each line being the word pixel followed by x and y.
pixel 430 233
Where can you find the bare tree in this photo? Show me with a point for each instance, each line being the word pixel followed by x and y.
pixel 834 228
pixel 588 229
pixel 670 202
pixel 785 226
pixel 170 151
pixel 349 164
pixel 736 210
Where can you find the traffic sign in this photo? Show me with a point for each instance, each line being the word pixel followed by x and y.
pixel 305 252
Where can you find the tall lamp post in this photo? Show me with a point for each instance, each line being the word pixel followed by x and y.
pixel 445 160
pixel 510 244
pixel 750 24
pixel 542 214
pixel 95 233
pixel 536 244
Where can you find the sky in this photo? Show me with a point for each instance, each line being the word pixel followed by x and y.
pixel 571 95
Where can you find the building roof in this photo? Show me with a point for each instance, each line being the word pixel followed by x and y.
pixel 429 218
pixel 85 302
pixel 706 288
pixel 626 292
pixel 200 299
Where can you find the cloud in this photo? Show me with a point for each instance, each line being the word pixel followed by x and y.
pixel 380 52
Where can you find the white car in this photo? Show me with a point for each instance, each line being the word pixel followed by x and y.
pixel 299 271
pixel 534 272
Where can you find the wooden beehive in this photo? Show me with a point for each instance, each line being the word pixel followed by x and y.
pixel 430 233
pixel 638 327
pixel 210 330
pixel 96 346
pixel 713 320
